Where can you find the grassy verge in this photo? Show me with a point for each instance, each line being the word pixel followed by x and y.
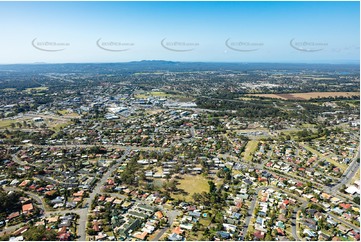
pixel 356 177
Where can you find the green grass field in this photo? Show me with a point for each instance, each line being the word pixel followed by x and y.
pixel 159 94
pixel 6 123
pixel 36 89
pixel 59 126
pixel 141 96
pixel 192 184
pixel 205 221
pixel 250 149
pixel 65 112
pixel 152 94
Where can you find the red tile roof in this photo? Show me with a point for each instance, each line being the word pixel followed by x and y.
pixel 27 207
pixel 345 205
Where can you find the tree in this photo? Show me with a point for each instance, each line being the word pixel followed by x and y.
pixel 212 186
pixel 39 234
pixel 268 237
pixel 10 201
pixel 218 218
pixel 91 232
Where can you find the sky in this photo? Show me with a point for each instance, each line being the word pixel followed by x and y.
pixel 73 32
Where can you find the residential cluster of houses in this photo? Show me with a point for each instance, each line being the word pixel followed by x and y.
pixel 129 219
pixel 67 174
pixel 28 210
pixel 64 226
pixel 275 206
pixel 312 229
pixel 341 147
pixel 292 158
pixel 191 215
pixel 354 189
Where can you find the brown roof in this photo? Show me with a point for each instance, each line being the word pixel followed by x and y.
pixel 177 230
pixel 13 215
pixel 28 207
pixel 21 230
pixel 159 214
pixel 50 193
pixel 141 236
pixel 96 227
pixel 345 205
pixel 78 194
pixel 258 234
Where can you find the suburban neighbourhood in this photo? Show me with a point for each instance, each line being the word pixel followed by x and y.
pixel 134 158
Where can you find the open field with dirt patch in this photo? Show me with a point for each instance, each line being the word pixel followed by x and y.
pixel 192 184
pixel 306 96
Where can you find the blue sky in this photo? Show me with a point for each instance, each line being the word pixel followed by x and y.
pixel 326 32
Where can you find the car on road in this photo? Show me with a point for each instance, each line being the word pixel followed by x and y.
pixel 2 223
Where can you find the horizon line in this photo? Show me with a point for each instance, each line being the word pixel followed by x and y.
pixel 340 62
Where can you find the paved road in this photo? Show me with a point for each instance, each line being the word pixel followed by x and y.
pixel 253 206
pixel 10 229
pixel 16 159
pixel 34 196
pixel 171 214
pixel 103 145
pixel 83 212
pixel 349 173
pixel 53 116
pixel 160 234
pixel 192 131
pixel 97 190
pixel 331 190
pixel 294 225
pixel 344 222
pixel 294 221
pixel 251 210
